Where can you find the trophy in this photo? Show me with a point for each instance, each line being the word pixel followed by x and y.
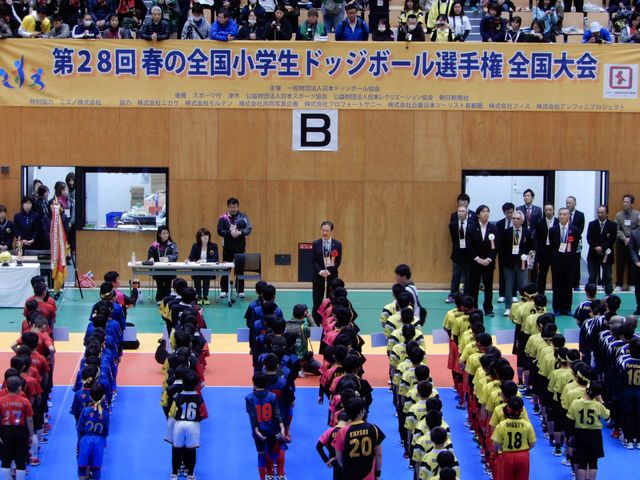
pixel 19 253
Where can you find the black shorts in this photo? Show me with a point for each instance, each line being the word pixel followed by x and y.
pixel 15 446
pixel 523 360
pixel 587 446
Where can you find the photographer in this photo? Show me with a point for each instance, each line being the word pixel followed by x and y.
pixel 86 28
pixel 411 31
pixel 196 27
pixel 252 30
pixel 597 34
pixel 311 27
pixel 35 25
pixel 442 32
pixel 279 28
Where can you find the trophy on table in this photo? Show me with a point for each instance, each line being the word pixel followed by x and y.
pixel 19 252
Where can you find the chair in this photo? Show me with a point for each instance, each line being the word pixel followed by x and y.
pixel 527 18
pixel 601 17
pixel 248 266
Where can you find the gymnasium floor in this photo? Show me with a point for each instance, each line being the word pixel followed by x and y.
pixel 136 449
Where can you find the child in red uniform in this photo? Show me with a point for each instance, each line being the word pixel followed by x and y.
pixel 16 426
pixel 326 440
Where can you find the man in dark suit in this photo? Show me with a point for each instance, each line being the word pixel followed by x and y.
pixel 601 236
pixel 515 243
pixel 459 231
pixel 576 218
pixel 483 243
pixel 563 239
pixel 634 251
pixel 463 201
pixel 532 213
pixel 326 259
pixel 503 224
pixel 543 245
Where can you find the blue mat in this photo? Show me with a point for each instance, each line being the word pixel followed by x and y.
pixel 136 449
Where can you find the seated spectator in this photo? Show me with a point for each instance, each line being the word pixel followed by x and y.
pixel 411 31
pixel 224 29
pixel 459 22
pixel 155 28
pixel 253 6
pixel 59 29
pixel 616 6
pixel 513 33
pixel 196 27
pixel 279 28
pixel 170 13
pixel 353 28
pixel 292 13
pixel 383 33
pixel 411 8
pixel 35 25
pixel 507 5
pixel 546 13
pixel 134 20
pixel 536 35
pixel 252 31
pixel 629 33
pixel 69 10
pixel 597 34
pixel 311 27
pixel 86 29
pixel 442 32
pixel 5 25
pixel 100 11
pixel 493 26
pixel 115 31
pixel 20 9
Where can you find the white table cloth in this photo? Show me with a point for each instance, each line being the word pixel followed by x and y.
pixel 15 284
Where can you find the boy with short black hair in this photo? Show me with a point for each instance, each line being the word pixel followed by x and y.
pixel 16 427
pixel 267 427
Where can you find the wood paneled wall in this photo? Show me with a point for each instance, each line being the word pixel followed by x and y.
pixel 389 189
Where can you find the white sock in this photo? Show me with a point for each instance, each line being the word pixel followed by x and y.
pixel 6 474
pixel 21 474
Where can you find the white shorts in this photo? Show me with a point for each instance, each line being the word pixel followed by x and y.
pixel 186 434
pixel 168 436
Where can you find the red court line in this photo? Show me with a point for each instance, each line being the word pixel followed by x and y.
pixel 64 372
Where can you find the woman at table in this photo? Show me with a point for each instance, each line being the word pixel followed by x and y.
pixel 27 225
pixel 203 251
pixel 163 247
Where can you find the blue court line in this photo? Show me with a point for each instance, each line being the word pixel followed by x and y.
pixel 136 449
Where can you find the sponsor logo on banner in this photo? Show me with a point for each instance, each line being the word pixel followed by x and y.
pixel 620 81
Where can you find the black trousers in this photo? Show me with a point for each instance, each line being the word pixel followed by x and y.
pixel 543 270
pixel 227 256
pixel 576 270
pixel 636 274
pixel 164 287
pixel 202 284
pixel 623 264
pixel 562 266
pixel 320 291
pixel 477 273
pixel 578 3
pixel 15 446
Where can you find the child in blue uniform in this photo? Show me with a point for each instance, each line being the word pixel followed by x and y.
pixel 93 429
pixel 266 424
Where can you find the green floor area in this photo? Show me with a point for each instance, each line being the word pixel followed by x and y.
pixel 73 311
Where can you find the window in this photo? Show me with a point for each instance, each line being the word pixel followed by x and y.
pixel 122 198
pixel 48 176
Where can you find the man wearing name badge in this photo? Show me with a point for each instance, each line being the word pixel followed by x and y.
pixel 504 224
pixel 634 251
pixel 563 239
pixel 459 231
pixel 325 261
pixel 516 246
pixel 234 227
pixel 576 218
pixel 483 244
pixel 543 245
pixel 601 236
pixel 627 220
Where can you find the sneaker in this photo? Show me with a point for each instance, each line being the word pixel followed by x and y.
pixel 628 445
pixel 43 440
pixel 507 312
pixel 637 445
pixel 515 299
pixel 223 295
pixel 528 394
pixel 566 462
pixel 536 410
pixel 205 301
pixel 199 301
pixel 617 289
pixel 501 300
pixel 576 289
pixel 34 461
pixel 632 289
pixel 268 477
pixel 173 477
pixel 490 314
pixel 242 295
pixel 615 433
pixel 461 406
pixel 449 299
pixel 193 477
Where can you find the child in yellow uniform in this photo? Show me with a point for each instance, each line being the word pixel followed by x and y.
pixel 513 438
pixel 429 465
pixel 586 412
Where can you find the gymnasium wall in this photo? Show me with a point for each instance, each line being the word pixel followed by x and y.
pixel 389 189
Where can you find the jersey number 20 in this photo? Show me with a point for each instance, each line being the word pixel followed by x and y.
pixel 360 447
